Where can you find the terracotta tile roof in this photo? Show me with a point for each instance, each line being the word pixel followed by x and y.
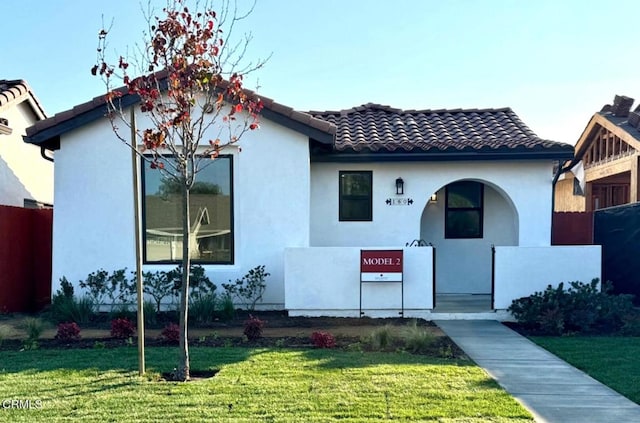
pixel 374 128
pixel 47 132
pixel 16 91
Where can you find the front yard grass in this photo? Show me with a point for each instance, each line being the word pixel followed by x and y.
pixel 297 385
pixel 611 360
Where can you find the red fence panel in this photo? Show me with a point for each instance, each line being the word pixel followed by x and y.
pixel 25 259
pixel 572 228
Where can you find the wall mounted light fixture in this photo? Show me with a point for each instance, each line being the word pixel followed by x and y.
pixel 434 197
pixel 4 127
pixel 399 186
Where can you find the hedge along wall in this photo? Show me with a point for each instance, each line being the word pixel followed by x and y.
pixel 25 259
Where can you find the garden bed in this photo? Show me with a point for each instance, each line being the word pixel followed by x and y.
pixel 280 331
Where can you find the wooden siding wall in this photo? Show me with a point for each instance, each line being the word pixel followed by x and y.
pixel 565 200
pixel 25 259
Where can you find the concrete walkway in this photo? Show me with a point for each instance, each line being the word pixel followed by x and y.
pixel 552 390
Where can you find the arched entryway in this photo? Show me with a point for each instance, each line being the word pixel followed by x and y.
pixel 462 221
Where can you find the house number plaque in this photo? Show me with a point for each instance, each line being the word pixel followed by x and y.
pixel 399 201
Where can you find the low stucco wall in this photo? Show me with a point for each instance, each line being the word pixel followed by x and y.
pixel 325 281
pixel 521 271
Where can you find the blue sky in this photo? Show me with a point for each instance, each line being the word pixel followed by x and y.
pixel 554 62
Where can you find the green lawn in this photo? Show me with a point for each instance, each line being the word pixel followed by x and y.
pixel 611 360
pixel 252 385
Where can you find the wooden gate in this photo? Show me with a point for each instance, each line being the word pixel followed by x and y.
pixel 25 259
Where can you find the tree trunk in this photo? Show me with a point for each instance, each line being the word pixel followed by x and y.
pixel 182 371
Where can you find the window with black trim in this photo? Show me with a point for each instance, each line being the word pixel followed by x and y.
pixel 464 210
pixel 211 210
pixel 355 196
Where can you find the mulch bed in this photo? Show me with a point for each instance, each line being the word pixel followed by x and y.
pixel 441 347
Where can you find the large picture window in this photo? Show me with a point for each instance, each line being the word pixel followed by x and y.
pixel 464 210
pixel 211 210
pixel 355 196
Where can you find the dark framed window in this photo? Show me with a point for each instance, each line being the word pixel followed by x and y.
pixel 355 196
pixel 210 207
pixel 464 210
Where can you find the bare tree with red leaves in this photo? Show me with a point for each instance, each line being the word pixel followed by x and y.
pixel 190 87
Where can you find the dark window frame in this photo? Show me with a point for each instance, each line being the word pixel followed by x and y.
pixel 342 197
pixel 448 209
pixel 143 220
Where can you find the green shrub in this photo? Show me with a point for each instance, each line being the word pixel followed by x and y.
pixel 84 310
pixel 227 309
pixel 381 338
pixel 114 289
pixel 5 332
pixel 631 324
pixel 96 286
pixel 120 290
pixel 582 308
pixel 203 309
pixel 66 288
pixel 199 284
pixel 66 308
pixel 159 286
pixel 250 288
pixel 417 339
pixel 34 327
pixel 150 313
pixel 123 311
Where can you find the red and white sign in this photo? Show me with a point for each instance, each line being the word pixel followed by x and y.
pixel 381 265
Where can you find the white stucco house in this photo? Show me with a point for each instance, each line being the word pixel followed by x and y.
pixel 26 180
pixel 308 192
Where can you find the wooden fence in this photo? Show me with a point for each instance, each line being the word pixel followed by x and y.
pixel 572 228
pixel 25 259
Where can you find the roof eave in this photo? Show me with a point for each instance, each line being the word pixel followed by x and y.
pixel 343 157
pixel 325 137
pixel 590 131
pixel 51 136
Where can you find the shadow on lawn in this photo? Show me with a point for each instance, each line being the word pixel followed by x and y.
pixel 121 360
pixel 327 359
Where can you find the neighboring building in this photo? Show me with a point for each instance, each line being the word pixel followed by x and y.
pixel 26 178
pixel 308 191
pixel 604 171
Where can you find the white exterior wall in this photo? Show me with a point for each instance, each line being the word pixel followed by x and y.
pixel 23 172
pixel 464 265
pixel 93 215
pixel 526 183
pixel 93 218
pixel 517 211
pixel 521 271
pixel 325 281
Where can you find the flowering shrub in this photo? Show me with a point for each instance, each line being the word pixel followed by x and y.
pixel 253 328
pixel 68 332
pixel 323 340
pixel 122 328
pixel 171 333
